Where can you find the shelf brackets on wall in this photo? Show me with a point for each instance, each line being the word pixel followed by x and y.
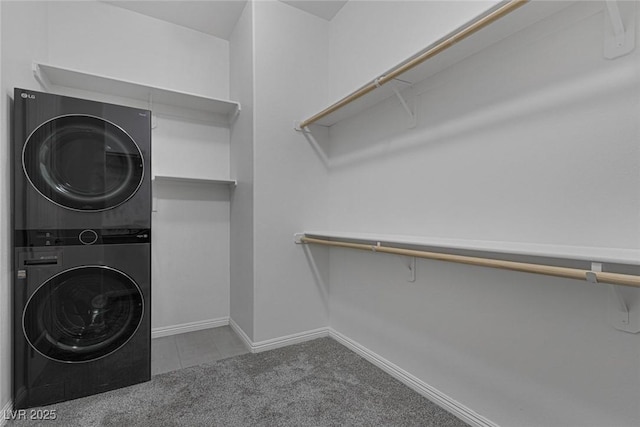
pixel 619 313
pixel 411 113
pixel 412 269
pixel 41 77
pixel 233 116
pixel 619 37
pixel 298 128
pixel 624 304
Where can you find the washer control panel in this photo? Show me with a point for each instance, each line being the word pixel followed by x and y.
pixel 88 237
pixel 105 236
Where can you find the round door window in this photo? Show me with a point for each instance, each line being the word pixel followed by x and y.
pixel 83 314
pixel 83 163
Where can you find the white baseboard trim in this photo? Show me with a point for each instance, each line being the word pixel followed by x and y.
pixel 289 340
pixel 271 344
pixel 188 327
pixel 436 396
pixel 241 333
pixel 4 412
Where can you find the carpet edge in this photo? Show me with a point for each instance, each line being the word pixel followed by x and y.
pixel 441 399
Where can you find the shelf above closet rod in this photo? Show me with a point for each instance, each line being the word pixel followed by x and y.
pixel 549 270
pixel 440 46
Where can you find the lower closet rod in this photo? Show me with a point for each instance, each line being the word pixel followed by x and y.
pixel 549 270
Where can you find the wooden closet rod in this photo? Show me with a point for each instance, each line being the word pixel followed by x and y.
pixel 549 270
pixel 440 46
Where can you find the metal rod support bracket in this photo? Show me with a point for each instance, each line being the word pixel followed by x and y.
pixel 297 238
pixel 298 128
pixel 618 311
pixel 411 113
pixel 412 269
pixel 619 36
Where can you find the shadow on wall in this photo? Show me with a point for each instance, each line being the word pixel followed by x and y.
pixel 382 130
pixel 190 191
pixel 318 260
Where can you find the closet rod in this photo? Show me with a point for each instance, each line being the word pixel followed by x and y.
pixel 440 46
pixel 549 270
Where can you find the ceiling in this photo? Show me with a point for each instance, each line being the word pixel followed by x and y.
pixel 216 17
pixel 325 9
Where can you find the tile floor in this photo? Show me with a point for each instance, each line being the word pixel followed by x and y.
pixel 194 348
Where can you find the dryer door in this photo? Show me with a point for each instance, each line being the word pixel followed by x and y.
pixel 83 314
pixel 83 163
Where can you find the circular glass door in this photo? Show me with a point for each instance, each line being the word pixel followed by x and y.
pixel 83 163
pixel 83 314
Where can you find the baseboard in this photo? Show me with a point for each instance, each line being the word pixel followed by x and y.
pixel 6 409
pixel 436 396
pixel 241 333
pixel 271 344
pixel 188 327
pixel 289 340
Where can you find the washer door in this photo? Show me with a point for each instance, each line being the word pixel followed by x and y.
pixel 83 314
pixel 83 163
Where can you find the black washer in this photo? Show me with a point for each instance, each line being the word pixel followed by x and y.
pixel 83 314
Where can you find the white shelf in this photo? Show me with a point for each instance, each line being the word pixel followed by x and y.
pixel 213 181
pixel 49 75
pixel 581 253
pixel 515 21
pixel 188 180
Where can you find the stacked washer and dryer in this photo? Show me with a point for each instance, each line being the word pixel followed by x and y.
pixel 82 254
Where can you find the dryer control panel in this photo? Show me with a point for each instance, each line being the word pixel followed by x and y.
pixel 107 236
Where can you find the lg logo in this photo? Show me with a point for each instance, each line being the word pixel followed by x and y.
pixel 27 95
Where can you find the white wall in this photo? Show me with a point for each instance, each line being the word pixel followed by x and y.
pixel 290 181
pixel 532 140
pixel 242 146
pixel 113 41
pixel 515 135
pixel 367 38
pixel 190 250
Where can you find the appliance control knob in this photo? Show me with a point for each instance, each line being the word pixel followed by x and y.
pixel 88 237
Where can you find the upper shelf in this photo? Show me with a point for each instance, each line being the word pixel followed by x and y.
pixel 580 253
pixel 49 75
pixel 503 20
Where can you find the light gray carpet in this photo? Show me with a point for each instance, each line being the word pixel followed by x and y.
pixel 316 383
